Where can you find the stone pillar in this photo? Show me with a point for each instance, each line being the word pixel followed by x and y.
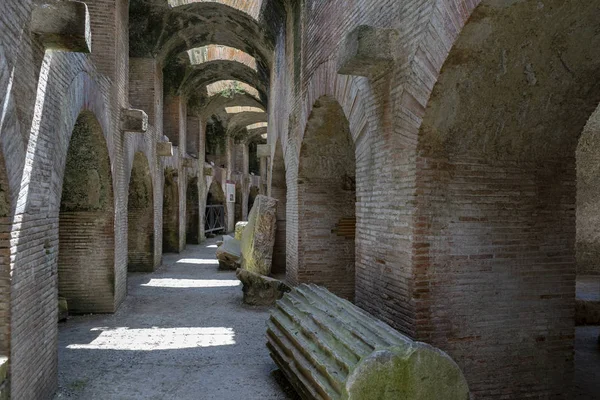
pixel 230 166
pixel 203 189
pixel 245 180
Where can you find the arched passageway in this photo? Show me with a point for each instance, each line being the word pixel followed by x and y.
pixel 86 222
pixel 494 252
pixel 193 212
pixel 171 213
pixel 279 192
pixel 327 200
pixel 216 210
pixel 140 217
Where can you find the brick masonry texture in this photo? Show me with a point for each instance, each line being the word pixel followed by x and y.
pixel 469 184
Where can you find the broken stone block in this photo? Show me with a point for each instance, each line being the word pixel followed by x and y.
pixel 63 26
pixel 134 120
pixel 164 149
pixel 368 51
pixel 63 309
pixel 351 355
pixel 258 237
pixel 239 229
pixel 261 290
pixel 229 254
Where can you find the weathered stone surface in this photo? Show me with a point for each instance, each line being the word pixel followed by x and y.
pixel 63 26
pixel 261 290
pixel 239 229
pixel 263 150
pixel 133 120
pixel 330 349
pixel 63 309
pixel 367 50
pixel 229 254
pixel 258 237
pixel 164 149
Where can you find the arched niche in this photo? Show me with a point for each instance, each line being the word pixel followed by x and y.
pixel 279 192
pixel 171 212
pixel 86 222
pixel 140 217
pixel 494 241
pixel 327 200
pixel 193 212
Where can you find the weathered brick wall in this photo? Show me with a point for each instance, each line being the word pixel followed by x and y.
pixel 423 263
pixel 279 191
pixel 86 223
pixel 326 200
pixel 140 213
pixel 588 198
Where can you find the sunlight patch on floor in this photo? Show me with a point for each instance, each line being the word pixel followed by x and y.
pixel 198 261
pixel 212 246
pixel 158 339
pixel 191 283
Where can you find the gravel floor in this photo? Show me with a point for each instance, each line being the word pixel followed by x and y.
pixel 182 333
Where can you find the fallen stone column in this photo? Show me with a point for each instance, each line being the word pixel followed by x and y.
pixel 330 349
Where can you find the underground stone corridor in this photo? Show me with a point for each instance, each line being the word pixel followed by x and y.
pixel 182 333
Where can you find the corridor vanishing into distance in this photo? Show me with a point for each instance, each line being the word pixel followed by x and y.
pixel 183 333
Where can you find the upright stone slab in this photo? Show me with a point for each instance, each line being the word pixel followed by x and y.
pixel 330 349
pixel 258 238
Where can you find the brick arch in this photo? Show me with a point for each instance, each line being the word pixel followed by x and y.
pixel 325 81
pixel 83 95
pixel 140 216
pixel 250 7
pixel 213 52
pixel 508 96
pixel 213 71
pixel 86 221
pixel 326 193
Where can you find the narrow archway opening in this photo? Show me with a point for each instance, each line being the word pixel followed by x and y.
pixel 327 200
pixel 193 212
pixel 140 217
pixel 86 222
pixel 587 305
pixel 216 210
pixel 171 213
pixel 279 192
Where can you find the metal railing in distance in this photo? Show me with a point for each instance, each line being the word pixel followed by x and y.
pixel 215 219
